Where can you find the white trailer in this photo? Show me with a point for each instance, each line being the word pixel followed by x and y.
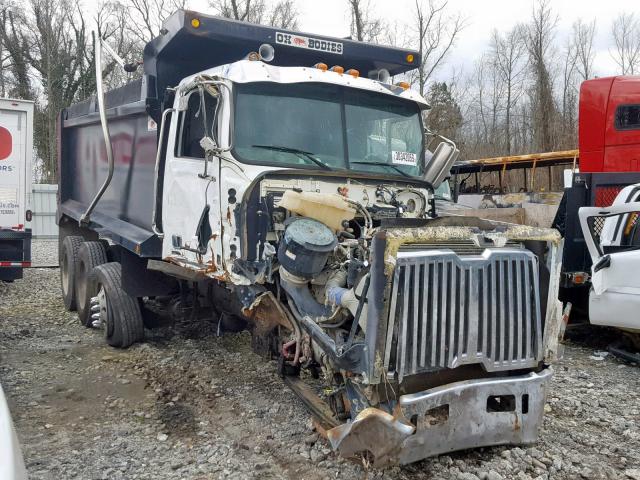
pixel 16 147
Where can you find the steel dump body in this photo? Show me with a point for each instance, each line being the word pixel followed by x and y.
pixel 126 208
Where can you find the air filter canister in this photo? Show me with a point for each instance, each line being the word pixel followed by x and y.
pixel 305 247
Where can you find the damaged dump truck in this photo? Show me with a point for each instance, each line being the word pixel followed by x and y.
pixel 283 183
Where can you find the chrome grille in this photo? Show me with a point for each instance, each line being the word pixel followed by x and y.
pixel 447 310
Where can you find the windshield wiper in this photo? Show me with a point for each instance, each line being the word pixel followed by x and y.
pixel 295 151
pixel 382 164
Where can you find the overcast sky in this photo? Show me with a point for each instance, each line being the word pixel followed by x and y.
pixel 331 17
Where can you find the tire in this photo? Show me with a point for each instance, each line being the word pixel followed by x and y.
pixel 68 259
pixel 123 324
pixel 90 255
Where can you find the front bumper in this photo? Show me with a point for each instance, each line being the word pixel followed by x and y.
pixel 458 416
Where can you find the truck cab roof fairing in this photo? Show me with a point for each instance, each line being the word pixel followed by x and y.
pixel 219 41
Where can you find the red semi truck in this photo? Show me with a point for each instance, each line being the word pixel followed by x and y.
pixel 609 142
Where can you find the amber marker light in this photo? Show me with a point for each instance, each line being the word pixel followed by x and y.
pixel 403 85
pixel 321 66
pixel 409 58
pixel 353 72
pixel 195 22
pixel 579 278
pixel 337 69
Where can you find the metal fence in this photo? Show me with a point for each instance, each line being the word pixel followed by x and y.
pixel 43 205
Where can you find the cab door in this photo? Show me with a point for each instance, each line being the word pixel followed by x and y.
pixel 614 299
pixel 191 200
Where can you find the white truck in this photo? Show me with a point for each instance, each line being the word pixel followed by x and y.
pixel 283 182
pixel 612 235
pixel 16 151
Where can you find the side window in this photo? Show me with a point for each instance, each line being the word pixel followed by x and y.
pixel 627 117
pixel 193 130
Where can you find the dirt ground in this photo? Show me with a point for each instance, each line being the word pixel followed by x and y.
pixel 187 404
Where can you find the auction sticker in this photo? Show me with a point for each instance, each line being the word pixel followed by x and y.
pixel 404 158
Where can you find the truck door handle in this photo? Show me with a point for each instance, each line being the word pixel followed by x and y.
pixel 604 262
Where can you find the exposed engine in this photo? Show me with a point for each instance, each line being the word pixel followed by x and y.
pixel 322 264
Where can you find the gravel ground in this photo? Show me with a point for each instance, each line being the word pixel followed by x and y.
pixel 44 252
pixel 189 405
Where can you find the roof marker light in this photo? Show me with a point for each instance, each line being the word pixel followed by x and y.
pixel 321 66
pixel 409 58
pixel 195 22
pixel 353 72
pixel 337 69
pixel 403 85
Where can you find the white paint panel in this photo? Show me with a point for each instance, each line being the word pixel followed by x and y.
pixel 12 169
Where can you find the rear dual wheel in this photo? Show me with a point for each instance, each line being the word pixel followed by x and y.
pixel 119 313
pixel 90 255
pixel 93 286
pixel 68 259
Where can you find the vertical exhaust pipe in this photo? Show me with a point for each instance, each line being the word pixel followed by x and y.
pixel 97 44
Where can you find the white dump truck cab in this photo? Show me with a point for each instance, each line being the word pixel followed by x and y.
pixel 284 183
pixel 320 130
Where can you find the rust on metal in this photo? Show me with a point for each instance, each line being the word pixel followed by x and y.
pixel 266 313
pixel 229 216
pixel 399 236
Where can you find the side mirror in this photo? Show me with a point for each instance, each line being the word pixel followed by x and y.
pixel 440 163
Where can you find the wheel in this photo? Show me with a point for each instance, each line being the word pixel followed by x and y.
pixel 68 259
pixel 119 313
pixel 90 255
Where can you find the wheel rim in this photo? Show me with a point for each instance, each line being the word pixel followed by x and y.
pixel 104 321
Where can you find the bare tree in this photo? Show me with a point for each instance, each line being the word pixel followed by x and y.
pixel 246 10
pixel 583 36
pixel 284 15
pixel 281 14
pixel 569 100
pixel 15 64
pixel 508 54
pixel 626 36
pixel 50 53
pixel 437 32
pixel 539 37
pixel 364 26
pixel 147 16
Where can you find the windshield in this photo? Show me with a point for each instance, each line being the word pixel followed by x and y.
pixel 313 125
